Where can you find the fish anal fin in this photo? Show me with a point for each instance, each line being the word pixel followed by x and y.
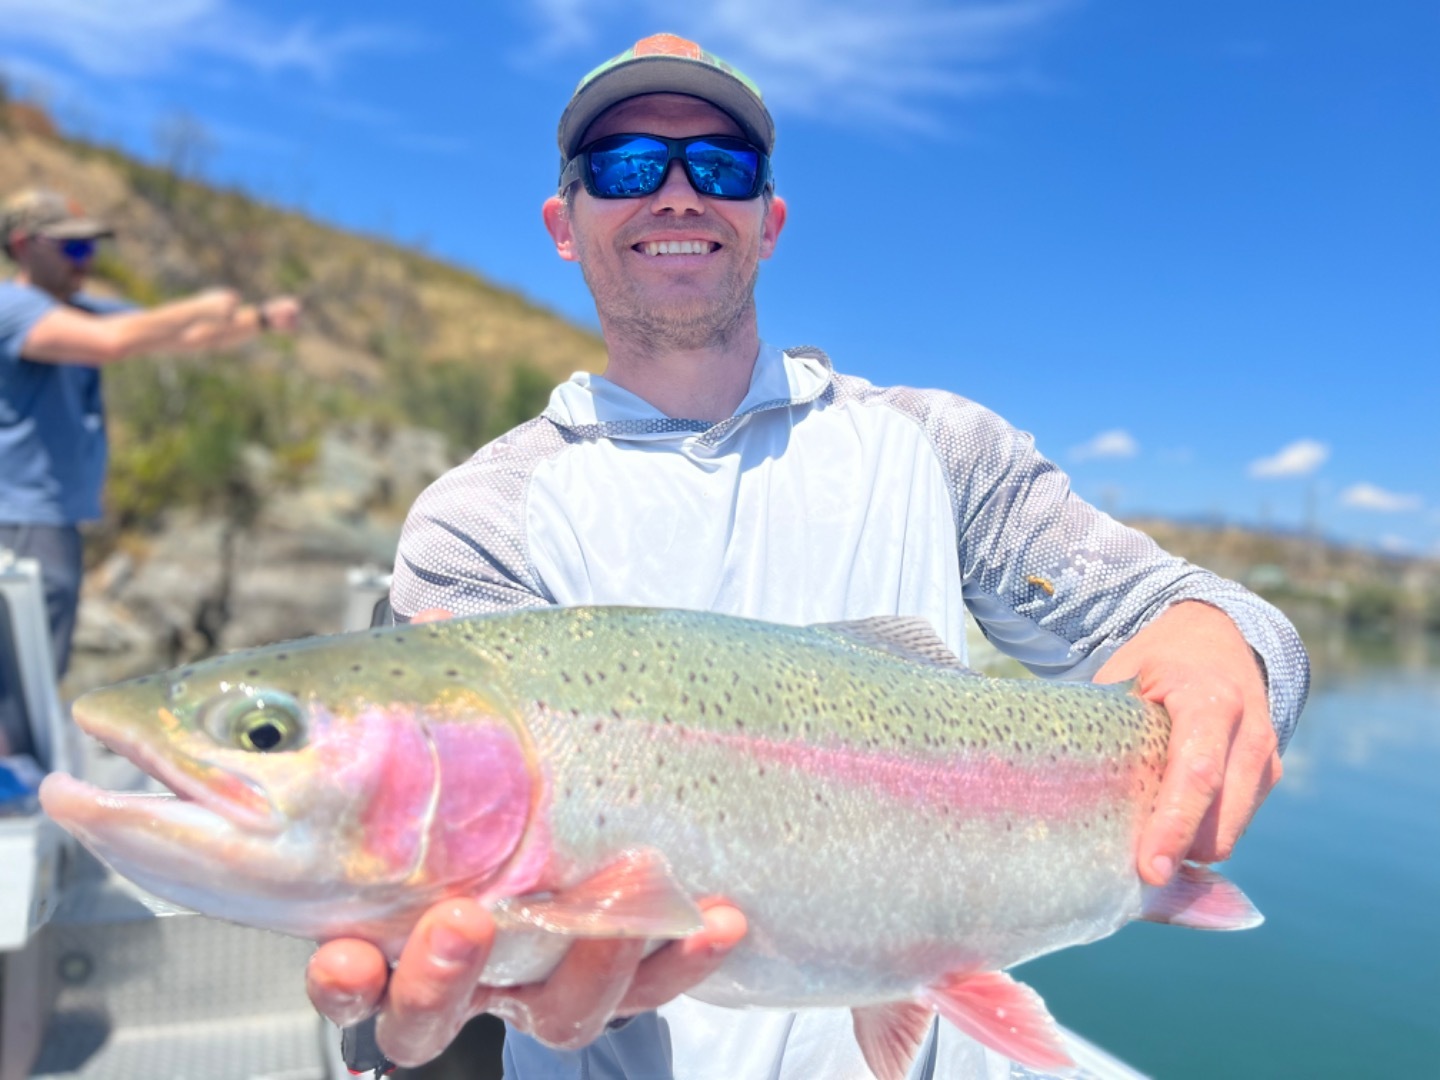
pixel 634 896
pixel 1203 899
pixel 908 637
pixel 890 1035
pixel 1005 1015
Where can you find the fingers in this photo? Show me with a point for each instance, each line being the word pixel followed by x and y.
pixel 1200 737
pixel 433 990
pixel 345 980
pixel 571 1008
pixel 434 614
pixel 678 966
pixel 1252 771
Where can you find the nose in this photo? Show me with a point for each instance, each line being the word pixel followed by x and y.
pixel 676 194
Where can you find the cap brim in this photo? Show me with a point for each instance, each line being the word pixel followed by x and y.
pixel 76 229
pixel 665 75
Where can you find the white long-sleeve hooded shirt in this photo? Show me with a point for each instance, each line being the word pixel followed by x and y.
pixel 823 498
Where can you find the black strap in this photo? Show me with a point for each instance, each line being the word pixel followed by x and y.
pixel 360 1050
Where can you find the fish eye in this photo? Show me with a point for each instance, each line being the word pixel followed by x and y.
pixel 258 721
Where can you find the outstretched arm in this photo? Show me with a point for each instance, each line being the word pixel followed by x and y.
pixel 211 319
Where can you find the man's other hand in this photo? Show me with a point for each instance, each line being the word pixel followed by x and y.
pixel 1223 757
pixel 435 987
pixel 281 313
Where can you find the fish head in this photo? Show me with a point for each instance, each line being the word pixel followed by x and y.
pixel 332 787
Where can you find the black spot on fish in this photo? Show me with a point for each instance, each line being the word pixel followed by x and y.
pixel 599 821
pixel 599 727
pixel 397 672
pixel 252 673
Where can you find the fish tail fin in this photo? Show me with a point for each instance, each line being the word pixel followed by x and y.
pixel 1199 897
pixel 1005 1015
pixel 890 1035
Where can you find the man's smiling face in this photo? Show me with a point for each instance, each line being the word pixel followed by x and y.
pixel 675 269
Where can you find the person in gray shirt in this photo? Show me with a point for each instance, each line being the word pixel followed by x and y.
pixel 54 339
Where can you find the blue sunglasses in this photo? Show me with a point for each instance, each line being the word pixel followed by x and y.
pixel 77 250
pixel 633 166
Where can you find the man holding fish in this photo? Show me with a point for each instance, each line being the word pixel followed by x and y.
pixel 708 470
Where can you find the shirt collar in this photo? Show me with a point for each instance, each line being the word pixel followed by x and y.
pixel 592 405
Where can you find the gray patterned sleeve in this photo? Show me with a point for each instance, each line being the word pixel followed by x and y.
pixel 464 546
pixel 1059 585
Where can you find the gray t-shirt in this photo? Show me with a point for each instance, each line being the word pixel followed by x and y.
pixel 53 449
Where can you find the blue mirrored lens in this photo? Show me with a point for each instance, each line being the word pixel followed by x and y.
pixel 632 165
pixel 77 249
pixel 722 166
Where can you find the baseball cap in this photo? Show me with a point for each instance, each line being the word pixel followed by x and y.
pixel 41 212
pixel 666 64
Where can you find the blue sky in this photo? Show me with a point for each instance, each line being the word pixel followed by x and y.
pixel 1193 247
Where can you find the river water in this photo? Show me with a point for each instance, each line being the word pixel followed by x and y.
pixel 1343 979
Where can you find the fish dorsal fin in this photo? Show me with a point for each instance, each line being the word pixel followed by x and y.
pixel 908 637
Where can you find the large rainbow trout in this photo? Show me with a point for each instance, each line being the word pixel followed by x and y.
pixel 897 829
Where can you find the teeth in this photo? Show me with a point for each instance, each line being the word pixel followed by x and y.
pixel 679 247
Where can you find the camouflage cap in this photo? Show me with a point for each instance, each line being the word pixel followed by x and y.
pixel 41 212
pixel 666 64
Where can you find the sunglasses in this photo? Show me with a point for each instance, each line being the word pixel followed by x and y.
pixel 633 166
pixel 76 250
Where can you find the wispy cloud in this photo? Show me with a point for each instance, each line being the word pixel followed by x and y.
pixel 1108 444
pixel 125 38
pixel 893 61
pixel 1370 497
pixel 1300 458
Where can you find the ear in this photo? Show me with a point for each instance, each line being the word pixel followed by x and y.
pixel 17 243
pixel 557 224
pixel 770 230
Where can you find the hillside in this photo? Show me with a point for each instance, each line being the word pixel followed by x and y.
pixel 390 337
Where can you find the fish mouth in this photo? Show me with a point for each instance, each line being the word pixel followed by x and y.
pixel 224 793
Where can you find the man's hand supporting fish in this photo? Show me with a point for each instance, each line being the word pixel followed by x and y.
pixel 1222 763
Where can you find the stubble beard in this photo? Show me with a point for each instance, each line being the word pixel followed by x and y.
pixel 709 321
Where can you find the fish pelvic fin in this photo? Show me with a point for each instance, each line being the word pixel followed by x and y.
pixel 1202 899
pixel 634 896
pixel 890 1036
pixel 1005 1015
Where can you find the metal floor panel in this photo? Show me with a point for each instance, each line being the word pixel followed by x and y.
pixel 180 998
pixel 272 1048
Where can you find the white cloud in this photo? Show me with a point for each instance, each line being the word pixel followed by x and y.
pixel 891 61
pixel 1108 444
pixel 1300 458
pixel 1394 545
pixel 1370 497
pixel 126 38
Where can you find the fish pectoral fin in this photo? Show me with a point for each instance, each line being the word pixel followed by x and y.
pixel 1203 899
pixel 1005 1015
pixel 635 896
pixel 890 1036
